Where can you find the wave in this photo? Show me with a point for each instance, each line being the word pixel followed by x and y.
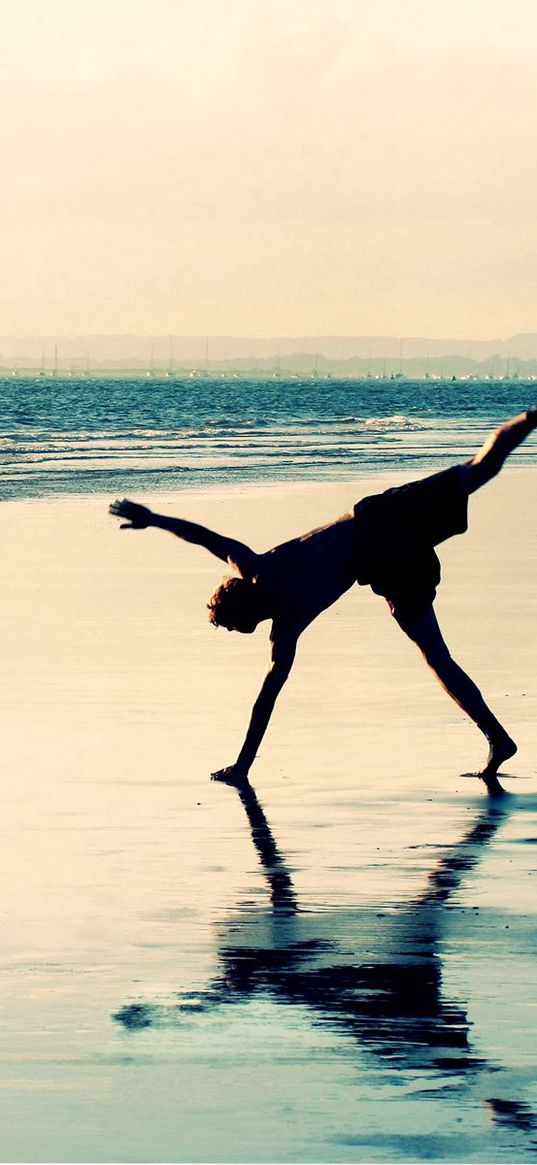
pixel 82 437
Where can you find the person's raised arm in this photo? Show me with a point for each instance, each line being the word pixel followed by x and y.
pixel 283 650
pixel 237 554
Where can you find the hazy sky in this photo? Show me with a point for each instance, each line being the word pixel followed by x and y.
pixel 269 166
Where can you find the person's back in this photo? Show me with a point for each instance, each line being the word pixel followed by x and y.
pixel 304 576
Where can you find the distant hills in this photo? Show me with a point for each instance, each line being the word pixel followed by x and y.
pixel 352 356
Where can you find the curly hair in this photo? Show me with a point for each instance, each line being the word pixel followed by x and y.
pixel 233 601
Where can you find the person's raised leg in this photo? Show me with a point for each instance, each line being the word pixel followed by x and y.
pixel 489 459
pixel 425 632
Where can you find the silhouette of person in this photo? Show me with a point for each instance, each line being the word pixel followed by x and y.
pixel 388 543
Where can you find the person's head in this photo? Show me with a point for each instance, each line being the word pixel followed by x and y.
pixel 236 605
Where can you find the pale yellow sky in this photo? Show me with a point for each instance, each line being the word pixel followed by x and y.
pixel 269 166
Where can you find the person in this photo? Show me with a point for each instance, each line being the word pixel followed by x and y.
pixel 387 542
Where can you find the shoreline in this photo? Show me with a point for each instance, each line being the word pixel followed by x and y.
pixel 262 486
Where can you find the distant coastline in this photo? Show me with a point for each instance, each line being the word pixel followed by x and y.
pixel 270 358
pixel 525 374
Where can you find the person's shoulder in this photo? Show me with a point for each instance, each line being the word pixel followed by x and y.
pixel 275 561
pixel 243 559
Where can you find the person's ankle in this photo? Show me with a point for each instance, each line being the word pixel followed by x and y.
pixel 493 730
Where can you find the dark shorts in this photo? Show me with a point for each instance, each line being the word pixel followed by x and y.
pixel 395 536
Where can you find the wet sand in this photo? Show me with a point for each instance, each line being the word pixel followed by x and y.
pixel 339 966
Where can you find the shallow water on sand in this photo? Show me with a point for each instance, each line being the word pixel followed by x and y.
pixel 190 982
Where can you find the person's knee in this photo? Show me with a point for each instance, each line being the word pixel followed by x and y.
pixel 483 467
pixel 472 476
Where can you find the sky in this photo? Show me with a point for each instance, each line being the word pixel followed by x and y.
pixel 269 167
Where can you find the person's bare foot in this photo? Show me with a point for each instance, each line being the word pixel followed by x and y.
pixel 501 748
pixel 233 775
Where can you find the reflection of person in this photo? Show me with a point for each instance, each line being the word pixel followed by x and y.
pixel 387 543
pixel 380 980
pixel 377 977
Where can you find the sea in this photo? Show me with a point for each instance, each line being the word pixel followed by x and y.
pixel 100 435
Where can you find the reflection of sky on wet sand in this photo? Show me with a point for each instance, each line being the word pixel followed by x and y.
pixel 374 980
pixel 194 999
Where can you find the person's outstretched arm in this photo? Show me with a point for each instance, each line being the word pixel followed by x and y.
pixel 283 649
pixel 228 549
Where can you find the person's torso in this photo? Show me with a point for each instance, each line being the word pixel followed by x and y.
pixel 306 575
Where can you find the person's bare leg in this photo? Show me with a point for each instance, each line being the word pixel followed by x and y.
pixel 489 459
pixel 426 633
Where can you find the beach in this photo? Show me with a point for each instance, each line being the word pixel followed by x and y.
pixel 339 967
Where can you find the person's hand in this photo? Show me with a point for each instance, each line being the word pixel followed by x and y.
pixel 232 775
pixel 138 517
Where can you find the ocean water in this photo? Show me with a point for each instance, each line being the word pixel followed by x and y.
pixel 87 435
